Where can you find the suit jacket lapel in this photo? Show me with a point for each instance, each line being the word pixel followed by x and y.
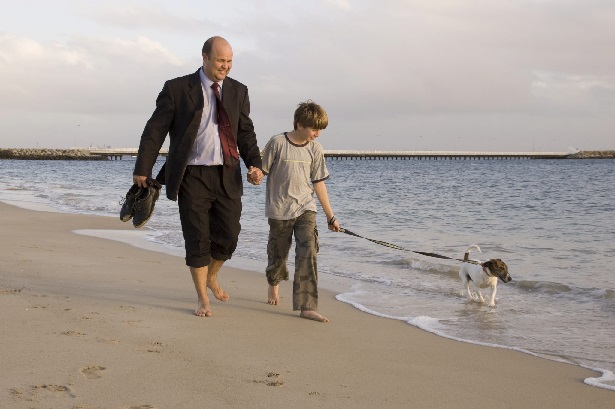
pixel 228 95
pixel 195 90
pixel 229 101
pixel 195 94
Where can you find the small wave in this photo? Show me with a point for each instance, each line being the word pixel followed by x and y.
pixel 543 286
pixel 434 326
pixel 552 288
pixel 427 266
pixel 343 298
pixel 606 381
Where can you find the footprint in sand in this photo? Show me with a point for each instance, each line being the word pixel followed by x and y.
pixel 73 333
pixel 5 291
pixel 92 372
pixel 271 382
pixel 132 322
pixel 55 390
pixel 108 341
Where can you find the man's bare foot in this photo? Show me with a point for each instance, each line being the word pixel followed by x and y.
pixel 218 292
pixel 202 309
pixel 212 282
pixel 272 295
pixel 313 315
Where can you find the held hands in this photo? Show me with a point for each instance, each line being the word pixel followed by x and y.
pixel 255 175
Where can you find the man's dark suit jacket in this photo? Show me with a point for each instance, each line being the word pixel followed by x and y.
pixel 179 107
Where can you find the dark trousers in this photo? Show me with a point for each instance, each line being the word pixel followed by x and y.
pixel 209 218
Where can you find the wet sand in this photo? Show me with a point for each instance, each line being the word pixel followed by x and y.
pixel 92 323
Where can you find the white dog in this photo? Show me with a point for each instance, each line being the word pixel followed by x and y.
pixel 482 275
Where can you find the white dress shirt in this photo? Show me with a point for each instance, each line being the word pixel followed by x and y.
pixel 207 149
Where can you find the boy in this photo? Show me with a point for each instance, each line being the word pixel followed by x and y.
pixel 291 161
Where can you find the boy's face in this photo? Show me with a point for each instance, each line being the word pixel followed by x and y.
pixel 307 134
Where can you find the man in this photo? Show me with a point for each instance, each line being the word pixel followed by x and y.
pixel 202 171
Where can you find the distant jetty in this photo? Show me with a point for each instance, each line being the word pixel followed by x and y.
pixel 49 154
pixel 110 154
pixel 593 155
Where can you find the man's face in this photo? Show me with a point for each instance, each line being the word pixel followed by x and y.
pixel 219 63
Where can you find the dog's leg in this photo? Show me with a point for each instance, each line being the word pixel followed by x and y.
pixel 465 279
pixel 492 297
pixel 479 294
pixel 469 291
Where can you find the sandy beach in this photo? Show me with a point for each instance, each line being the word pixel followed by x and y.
pixel 92 323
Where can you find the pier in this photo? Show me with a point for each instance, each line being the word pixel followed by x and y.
pixel 442 155
pixel 118 153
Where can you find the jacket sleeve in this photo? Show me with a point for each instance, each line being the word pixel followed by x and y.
pixel 155 132
pixel 246 137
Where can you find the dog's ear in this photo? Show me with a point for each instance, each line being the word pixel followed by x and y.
pixel 496 264
pixel 500 263
pixel 488 264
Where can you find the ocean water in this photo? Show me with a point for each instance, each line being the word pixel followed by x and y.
pixel 551 221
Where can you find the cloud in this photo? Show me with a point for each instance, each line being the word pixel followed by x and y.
pixel 580 94
pixel 87 76
pixel 393 68
pixel 149 16
pixel 15 51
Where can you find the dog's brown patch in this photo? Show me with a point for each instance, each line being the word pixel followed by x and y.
pixel 499 269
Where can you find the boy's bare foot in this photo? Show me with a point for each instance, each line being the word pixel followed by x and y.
pixel 218 292
pixel 202 309
pixel 272 295
pixel 313 315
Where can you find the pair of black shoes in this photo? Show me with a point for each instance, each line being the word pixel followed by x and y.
pixel 139 203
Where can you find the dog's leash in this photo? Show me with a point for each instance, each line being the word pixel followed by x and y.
pixel 393 246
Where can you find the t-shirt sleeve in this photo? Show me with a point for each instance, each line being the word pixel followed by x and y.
pixel 319 170
pixel 268 155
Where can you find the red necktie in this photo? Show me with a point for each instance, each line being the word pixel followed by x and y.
pixel 229 146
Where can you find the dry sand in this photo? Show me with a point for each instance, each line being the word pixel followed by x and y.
pixel 94 323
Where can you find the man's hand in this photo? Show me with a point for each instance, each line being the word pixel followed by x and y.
pixel 139 180
pixel 255 175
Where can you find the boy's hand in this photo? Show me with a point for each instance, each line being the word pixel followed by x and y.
pixel 333 224
pixel 255 175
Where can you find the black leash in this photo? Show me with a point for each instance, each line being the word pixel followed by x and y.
pixel 393 246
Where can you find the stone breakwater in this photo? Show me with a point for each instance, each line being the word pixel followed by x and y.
pixel 593 155
pixel 49 154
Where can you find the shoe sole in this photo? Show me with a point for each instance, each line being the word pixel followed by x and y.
pixel 135 194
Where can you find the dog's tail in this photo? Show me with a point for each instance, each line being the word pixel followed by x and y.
pixel 469 250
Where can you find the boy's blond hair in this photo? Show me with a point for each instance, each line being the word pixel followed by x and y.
pixel 310 115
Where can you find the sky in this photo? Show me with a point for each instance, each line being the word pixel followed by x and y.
pixel 461 75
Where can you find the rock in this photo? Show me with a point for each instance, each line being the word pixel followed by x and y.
pixel 48 154
pixel 593 155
